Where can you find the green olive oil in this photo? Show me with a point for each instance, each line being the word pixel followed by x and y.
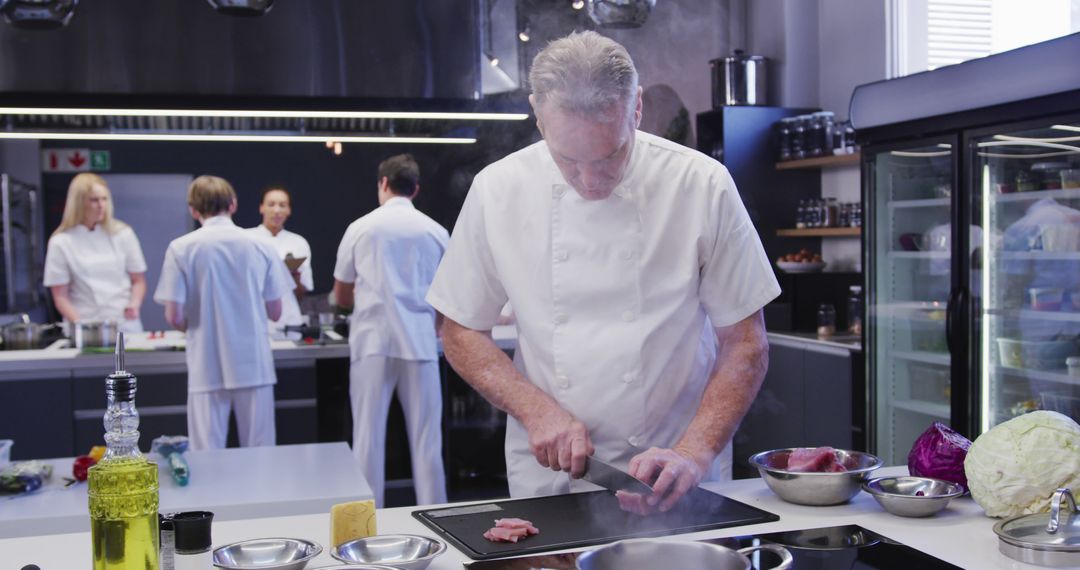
pixel 123 486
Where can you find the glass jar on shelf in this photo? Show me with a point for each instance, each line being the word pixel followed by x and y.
pixel 855 310
pixel 798 138
pixel 800 215
pixel 785 131
pixel 826 320
pixel 831 211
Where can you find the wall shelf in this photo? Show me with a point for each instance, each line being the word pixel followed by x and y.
pixel 820 162
pixel 820 232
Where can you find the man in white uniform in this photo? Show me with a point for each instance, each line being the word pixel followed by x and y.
pixel 276 207
pixel 637 280
pixel 386 262
pixel 220 283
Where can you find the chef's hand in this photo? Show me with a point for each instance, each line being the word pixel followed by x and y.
pixel 670 472
pixel 559 441
pixel 131 313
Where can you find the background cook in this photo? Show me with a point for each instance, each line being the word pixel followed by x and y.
pixel 636 277
pixel 94 266
pixel 275 208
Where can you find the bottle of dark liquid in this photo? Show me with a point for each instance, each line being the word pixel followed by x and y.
pixel 123 486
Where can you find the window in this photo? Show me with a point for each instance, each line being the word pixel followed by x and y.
pixel 927 34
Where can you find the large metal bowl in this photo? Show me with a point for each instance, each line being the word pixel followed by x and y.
pixel 266 554
pixel 675 554
pixel 354 567
pixel 815 488
pixel 407 551
pixel 912 496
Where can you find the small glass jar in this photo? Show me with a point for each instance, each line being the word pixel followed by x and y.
pixel 798 137
pixel 785 137
pixel 1073 363
pixel 826 320
pixel 855 310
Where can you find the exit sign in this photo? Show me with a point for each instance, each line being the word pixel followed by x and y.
pixel 75 160
pixel 100 161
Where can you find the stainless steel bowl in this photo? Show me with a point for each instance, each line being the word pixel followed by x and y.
pixel 815 488
pixel 912 496
pixel 354 567
pixel 266 554
pixel 407 551
pixel 95 334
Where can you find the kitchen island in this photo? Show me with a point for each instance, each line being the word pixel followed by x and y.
pixel 960 535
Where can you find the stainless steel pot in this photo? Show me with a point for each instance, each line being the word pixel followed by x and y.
pixel 24 335
pixel 1044 539
pixel 739 79
pixel 95 334
pixel 654 553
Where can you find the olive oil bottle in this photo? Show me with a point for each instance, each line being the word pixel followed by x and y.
pixel 123 486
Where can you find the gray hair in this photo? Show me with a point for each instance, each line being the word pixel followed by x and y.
pixel 584 73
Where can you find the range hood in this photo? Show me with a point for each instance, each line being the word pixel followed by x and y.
pixel 320 69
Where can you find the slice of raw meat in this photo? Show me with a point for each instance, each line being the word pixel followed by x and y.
pixel 815 460
pixel 510 530
pixel 513 523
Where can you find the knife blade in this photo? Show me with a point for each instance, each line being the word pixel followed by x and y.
pixel 612 478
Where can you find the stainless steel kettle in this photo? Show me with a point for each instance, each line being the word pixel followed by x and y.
pixel 739 79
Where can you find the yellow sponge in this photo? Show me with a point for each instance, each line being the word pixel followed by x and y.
pixel 349 521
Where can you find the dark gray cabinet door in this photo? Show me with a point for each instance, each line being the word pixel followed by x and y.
pixel 827 399
pixel 37 415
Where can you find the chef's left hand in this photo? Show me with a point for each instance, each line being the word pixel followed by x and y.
pixel 670 472
pixel 131 313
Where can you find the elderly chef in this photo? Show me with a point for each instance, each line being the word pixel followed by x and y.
pixel 94 266
pixel 275 208
pixel 220 283
pixel 385 264
pixel 637 280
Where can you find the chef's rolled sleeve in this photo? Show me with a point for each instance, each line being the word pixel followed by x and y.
pixel 57 268
pixel 736 277
pixel 467 288
pixel 171 284
pixel 128 242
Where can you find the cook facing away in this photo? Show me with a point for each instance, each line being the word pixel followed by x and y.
pixel 94 266
pixel 637 280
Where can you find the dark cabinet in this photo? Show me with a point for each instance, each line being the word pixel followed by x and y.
pixel 805 401
pixel 37 415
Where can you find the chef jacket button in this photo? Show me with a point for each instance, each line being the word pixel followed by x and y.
pixel 628 254
pixel 564 382
pixel 633 440
pixel 560 319
pixel 558 192
pixel 628 316
pixel 561 255
pixel 628 377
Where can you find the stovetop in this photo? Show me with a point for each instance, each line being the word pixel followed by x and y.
pixel 829 548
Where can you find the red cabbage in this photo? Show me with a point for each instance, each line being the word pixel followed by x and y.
pixel 939 453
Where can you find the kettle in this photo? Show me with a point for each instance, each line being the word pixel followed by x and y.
pixel 739 79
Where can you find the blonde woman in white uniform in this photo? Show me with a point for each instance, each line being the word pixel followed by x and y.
pixel 94 266
pixel 275 208
pixel 385 263
pixel 637 280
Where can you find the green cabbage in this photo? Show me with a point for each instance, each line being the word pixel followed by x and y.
pixel 1015 467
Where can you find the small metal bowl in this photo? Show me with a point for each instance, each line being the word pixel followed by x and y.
pixel 408 551
pixel 266 554
pixel 815 489
pixel 912 496
pixel 354 567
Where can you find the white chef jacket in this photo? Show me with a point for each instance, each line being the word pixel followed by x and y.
pixel 615 299
pixel 96 266
pixel 286 242
pixel 390 255
pixel 224 275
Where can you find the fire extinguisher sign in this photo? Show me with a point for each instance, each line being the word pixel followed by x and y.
pixel 74 160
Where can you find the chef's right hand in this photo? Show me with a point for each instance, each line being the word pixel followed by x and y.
pixel 559 441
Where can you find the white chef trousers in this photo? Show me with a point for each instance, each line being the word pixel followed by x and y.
pixel 372 381
pixel 208 417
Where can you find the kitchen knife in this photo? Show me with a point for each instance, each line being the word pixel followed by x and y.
pixel 612 478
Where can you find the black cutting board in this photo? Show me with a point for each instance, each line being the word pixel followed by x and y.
pixel 581 519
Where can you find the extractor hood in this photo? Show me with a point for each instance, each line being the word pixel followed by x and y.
pixel 322 69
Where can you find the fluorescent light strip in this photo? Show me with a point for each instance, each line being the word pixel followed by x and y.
pixel 1030 142
pixel 230 138
pixel 914 154
pixel 1039 155
pixel 1041 139
pixel 1066 128
pixel 270 114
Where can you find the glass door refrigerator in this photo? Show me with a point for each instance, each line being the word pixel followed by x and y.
pixel 971 187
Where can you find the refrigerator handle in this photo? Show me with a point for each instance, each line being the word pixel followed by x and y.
pixel 954 312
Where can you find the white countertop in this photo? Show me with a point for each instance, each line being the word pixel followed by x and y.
pixel 57 358
pixel 236 483
pixel 961 534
